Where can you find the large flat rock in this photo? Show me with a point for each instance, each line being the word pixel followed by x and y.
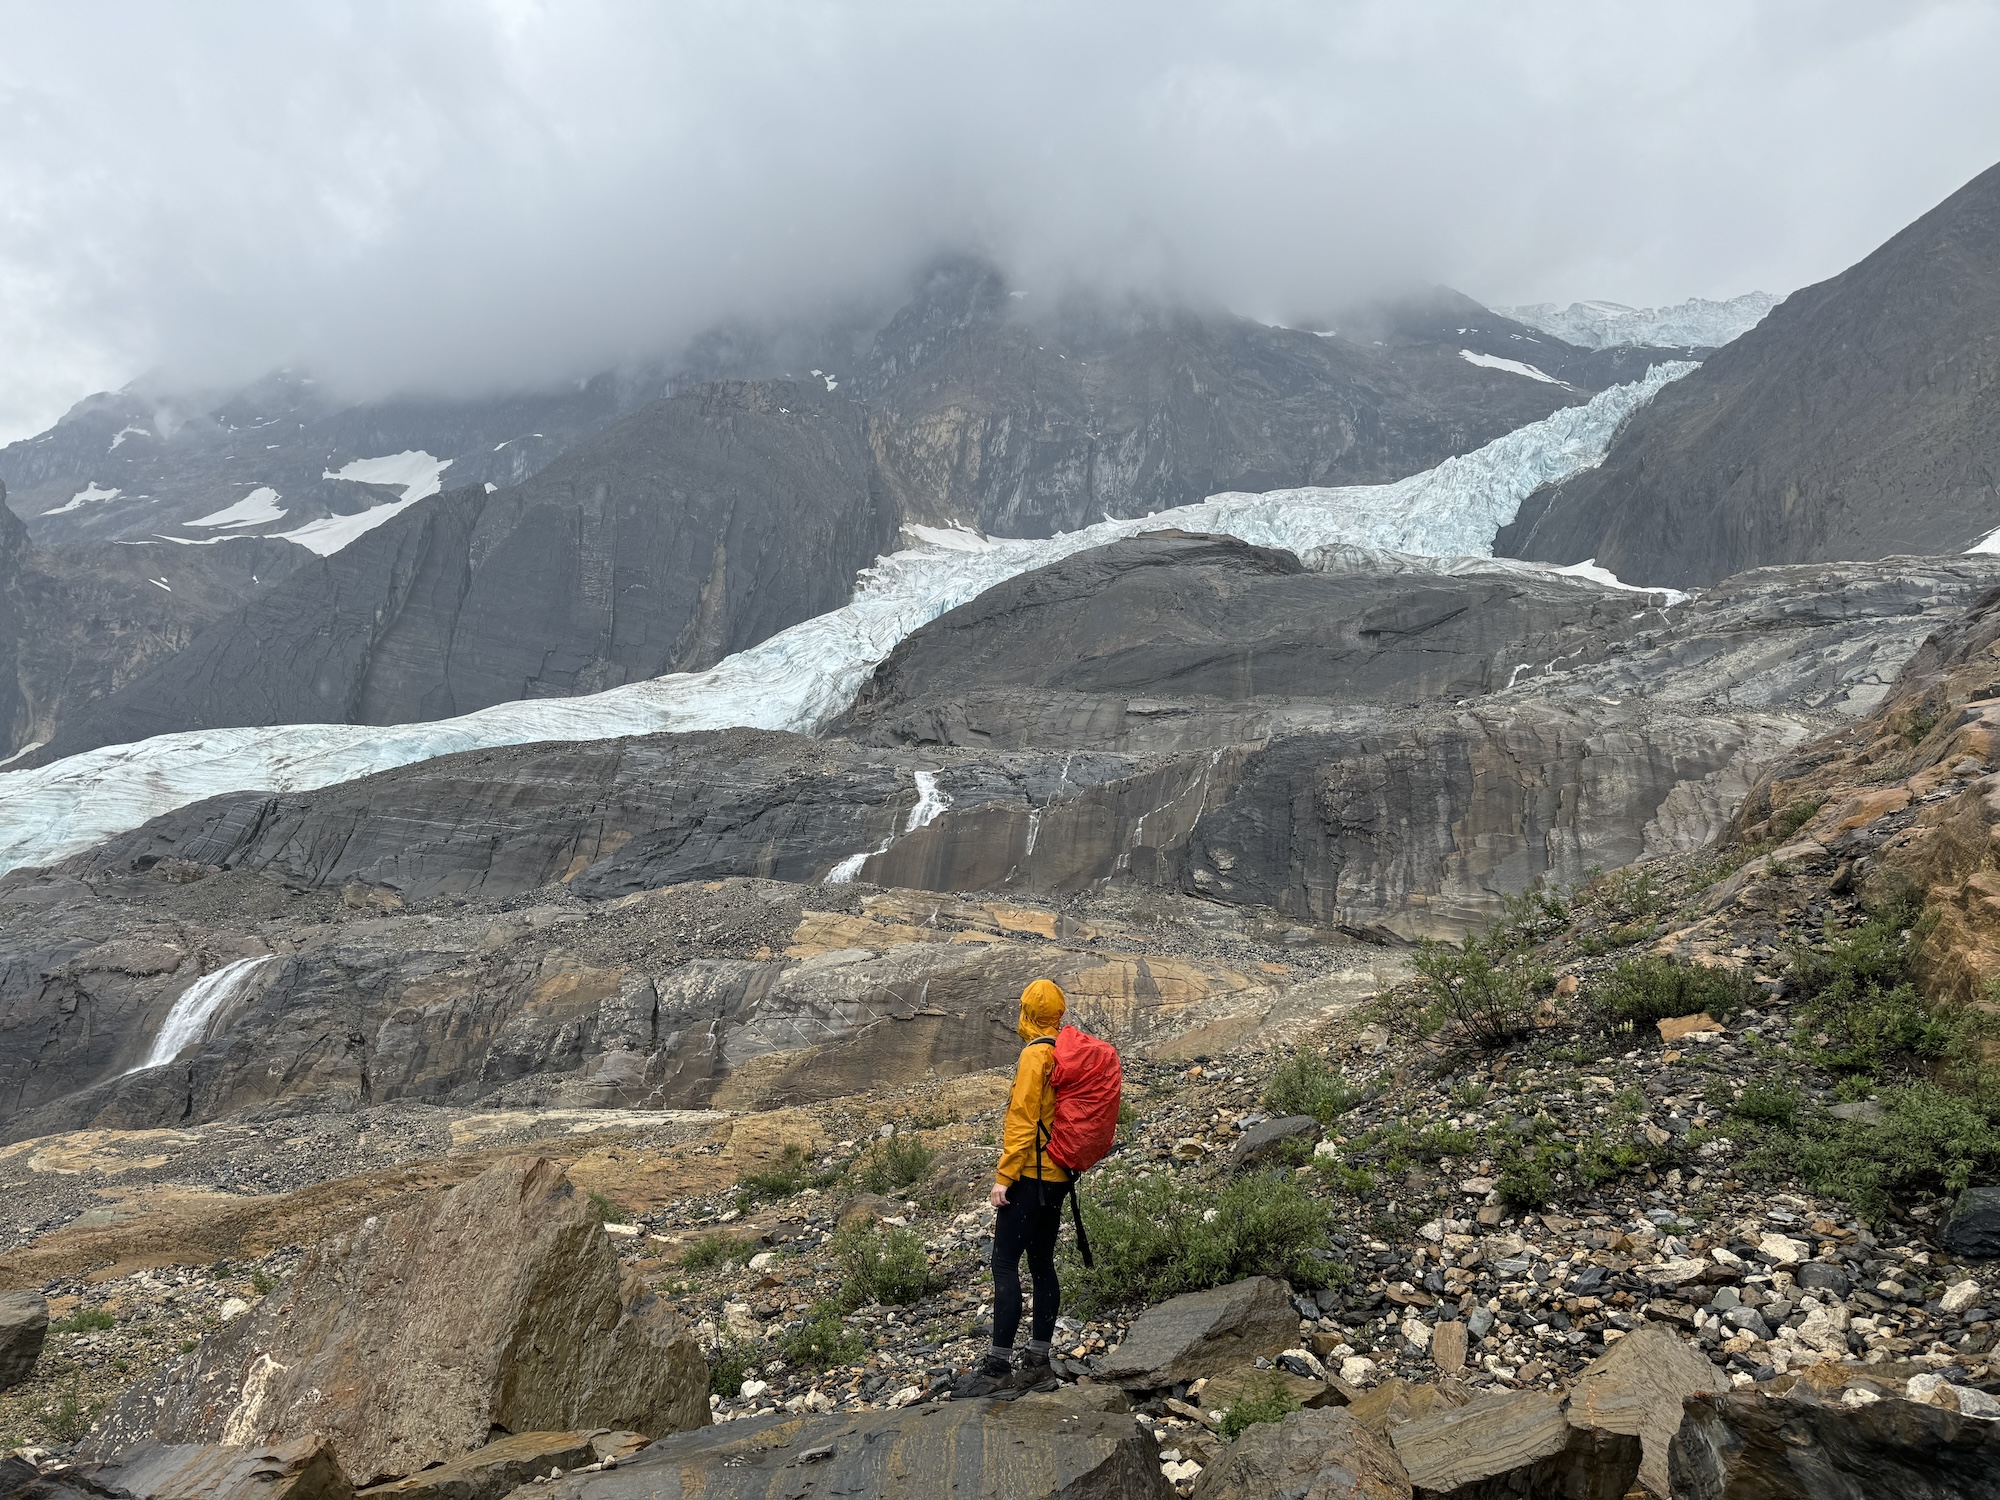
pixel 1204 1333
pixel 1024 1450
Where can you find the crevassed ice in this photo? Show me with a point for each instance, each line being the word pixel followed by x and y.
pixel 801 677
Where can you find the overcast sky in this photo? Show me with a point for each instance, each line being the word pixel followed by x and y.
pixel 457 195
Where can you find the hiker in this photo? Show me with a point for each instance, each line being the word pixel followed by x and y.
pixel 1058 1064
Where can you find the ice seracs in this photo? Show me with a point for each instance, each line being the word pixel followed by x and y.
pixel 803 676
pixel 1695 323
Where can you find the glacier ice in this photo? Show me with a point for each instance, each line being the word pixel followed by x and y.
pixel 1695 323
pixel 803 676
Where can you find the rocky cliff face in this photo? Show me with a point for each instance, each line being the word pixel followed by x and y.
pixel 690 530
pixel 78 624
pixel 1860 419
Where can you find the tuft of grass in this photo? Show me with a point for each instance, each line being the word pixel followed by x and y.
pixel 1795 817
pixel 717 1249
pixel 880 1264
pixel 1273 1404
pixel 1640 991
pixel 83 1320
pixel 607 1210
pixel 263 1282
pixel 1155 1237
pixel 1528 1176
pixel 1768 1102
pixel 894 1165
pixel 822 1341
pixel 1304 1085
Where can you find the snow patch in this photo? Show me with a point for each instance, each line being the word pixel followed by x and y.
pixel 1588 568
pixel 329 534
pixel 1511 366
pixel 415 470
pixel 90 494
pixel 801 677
pixel 160 583
pixel 123 433
pixel 257 508
pixel 28 749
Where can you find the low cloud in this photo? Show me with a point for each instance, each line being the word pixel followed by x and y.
pixel 456 196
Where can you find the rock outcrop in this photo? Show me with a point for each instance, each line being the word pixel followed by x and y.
pixel 1517 1444
pixel 1638 1386
pixel 24 1327
pixel 499 1304
pixel 1198 1333
pixel 1731 1447
pixel 1023 1450
pixel 1324 1455
pixel 1857 420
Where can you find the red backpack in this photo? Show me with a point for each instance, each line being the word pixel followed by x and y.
pixel 1090 1084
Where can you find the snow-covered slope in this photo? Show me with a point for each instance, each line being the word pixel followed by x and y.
pixel 801 677
pixel 1696 323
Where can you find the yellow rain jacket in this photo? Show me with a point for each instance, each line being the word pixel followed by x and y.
pixel 1033 1103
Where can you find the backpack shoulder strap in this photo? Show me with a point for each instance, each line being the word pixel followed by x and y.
pixel 1043 1041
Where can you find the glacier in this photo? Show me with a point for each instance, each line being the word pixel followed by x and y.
pixel 803 676
pixel 1695 323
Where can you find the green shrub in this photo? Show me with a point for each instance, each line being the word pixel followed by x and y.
pixel 83 1320
pixel 1273 1404
pixel 731 1365
pixel 792 1172
pixel 717 1249
pixel 822 1341
pixel 1155 1237
pixel 1928 1141
pixel 1645 990
pixel 263 1283
pixel 1528 1177
pixel 1795 817
pixel 68 1414
pixel 1304 1085
pixel 1492 1003
pixel 1768 1102
pixel 1630 892
pixel 880 1264
pixel 607 1211
pixel 894 1165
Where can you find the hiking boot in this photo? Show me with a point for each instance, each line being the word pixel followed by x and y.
pixel 1032 1373
pixel 990 1376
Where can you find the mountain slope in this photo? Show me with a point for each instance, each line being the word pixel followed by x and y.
pixel 1861 419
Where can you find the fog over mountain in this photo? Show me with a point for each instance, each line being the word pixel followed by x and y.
pixel 465 197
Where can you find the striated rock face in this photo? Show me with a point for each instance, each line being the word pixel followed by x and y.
pixel 1521 1443
pixel 1860 419
pixel 1777 1448
pixel 1021 1450
pixel 1324 1454
pixel 498 1304
pixel 1637 1386
pixel 24 1326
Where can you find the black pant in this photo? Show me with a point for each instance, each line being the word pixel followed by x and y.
pixel 1027 1224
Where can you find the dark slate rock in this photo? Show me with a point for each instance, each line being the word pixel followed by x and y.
pixel 1787 1448
pixel 1201 1333
pixel 1973 1230
pixel 1520 1443
pixel 1274 1141
pixel 24 1325
pixel 1822 1276
pixel 1325 1453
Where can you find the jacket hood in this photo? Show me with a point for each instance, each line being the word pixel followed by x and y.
pixel 1042 1007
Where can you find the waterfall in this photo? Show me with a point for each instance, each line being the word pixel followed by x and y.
pixel 194 1008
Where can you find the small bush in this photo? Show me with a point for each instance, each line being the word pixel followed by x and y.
pixel 1929 1141
pixel 83 1320
pixel 608 1211
pixel 263 1283
pixel 731 1365
pixel 881 1265
pixel 791 1173
pixel 1528 1177
pixel 1273 1404
pixel 1492 1003
pixel 1768 1102
pixel 1304 1085
pixel 821 1342
pixel 1630 892
pixel 715 1250
pixel 1644 990
pixel 1795 817
pixel 1155 1237
pixel 68 1414
pixel 893 1165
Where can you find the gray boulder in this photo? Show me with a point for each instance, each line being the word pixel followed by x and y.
pixel 1272 1141
pixel 1973 1230
pixel 24 1325
pixel 494 1471
pixel 301 1469
pixel 1310 1455
pixel 404 1344
pixel 1024 1450
pixel 1200 1333
pixel 1521 1443
pixel 1797 1448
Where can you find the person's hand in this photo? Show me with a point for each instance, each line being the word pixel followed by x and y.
pixel 998 1197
